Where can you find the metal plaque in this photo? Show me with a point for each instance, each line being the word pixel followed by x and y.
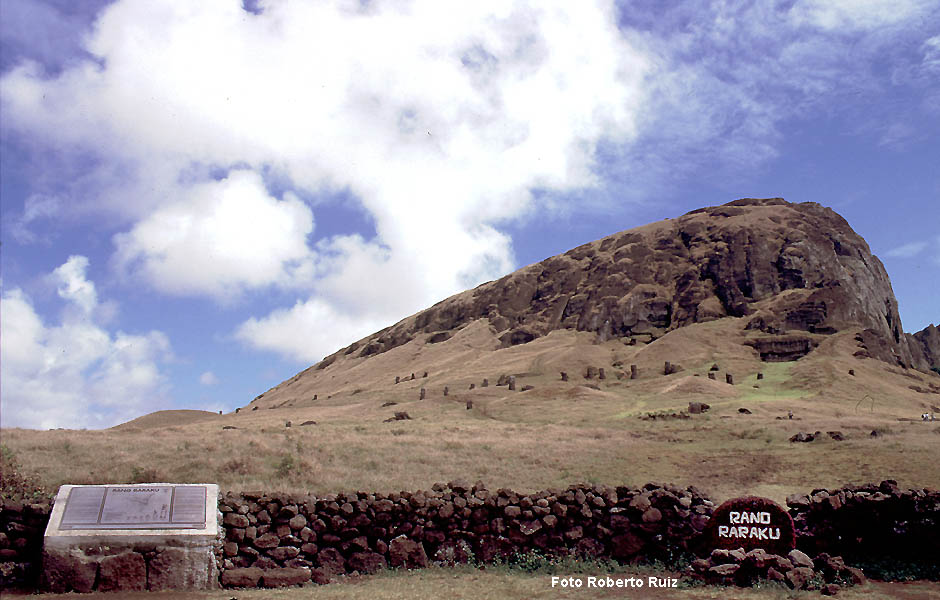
pixel 136 507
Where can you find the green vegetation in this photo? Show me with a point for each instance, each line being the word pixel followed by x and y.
pixel 898 569
pixel 16 485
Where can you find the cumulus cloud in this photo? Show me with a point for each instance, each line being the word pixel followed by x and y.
pixel 208 378
pixel 75 373
pixel 439 120
pixel 442 121
pixel 73 285
pixel 305 330
pixel 220 238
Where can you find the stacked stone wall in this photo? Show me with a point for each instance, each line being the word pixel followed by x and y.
pixel 868 522
pixel 272 537
pixel 21 531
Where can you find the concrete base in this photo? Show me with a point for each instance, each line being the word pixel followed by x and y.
pixel 112 559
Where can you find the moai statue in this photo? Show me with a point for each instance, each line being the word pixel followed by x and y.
pixel 512 383
pixel 412 376
pixel 852 372
pixel 729 379
pixel 425 374
pixel 446 389
pixel 314 396
pixel 601 374
pixel 564 376
pixel 633 373
pixel 287 424
pixel 486 383
pixel 472 385
pixel 397 379
pixel 469 404
pixel 220 412
pixel 667 368
pixel 590 373
pixel 760 375
pixel 422 393
pixel 711 375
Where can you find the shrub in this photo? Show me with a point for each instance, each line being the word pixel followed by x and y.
pixel 285 466
pixel 16 485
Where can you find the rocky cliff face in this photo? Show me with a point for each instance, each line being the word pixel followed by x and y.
pixel 925 346
pixel 788 268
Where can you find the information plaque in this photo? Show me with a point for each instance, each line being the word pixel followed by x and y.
pixel 135 507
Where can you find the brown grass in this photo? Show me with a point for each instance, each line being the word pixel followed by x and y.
pixel 465 582
pixel 553 435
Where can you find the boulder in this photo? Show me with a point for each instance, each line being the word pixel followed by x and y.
pixel 284 577
pixel 406 553
pixel 63 572
pixel 366 562
pixel 125 572
pixel 242 578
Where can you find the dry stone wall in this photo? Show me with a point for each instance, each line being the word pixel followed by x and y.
pixel 276 539
pixel 860 522
pixel 21 530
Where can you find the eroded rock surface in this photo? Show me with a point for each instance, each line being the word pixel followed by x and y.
pixel 791 267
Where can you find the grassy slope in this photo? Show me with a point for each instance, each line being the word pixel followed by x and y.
pixel 556 434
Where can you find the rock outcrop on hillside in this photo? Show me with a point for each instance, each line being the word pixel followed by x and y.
pixel 925 345
pixel 791 269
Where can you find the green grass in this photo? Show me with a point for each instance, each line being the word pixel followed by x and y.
pixel 776 384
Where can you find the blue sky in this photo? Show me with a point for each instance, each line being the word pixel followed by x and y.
pixel 199 199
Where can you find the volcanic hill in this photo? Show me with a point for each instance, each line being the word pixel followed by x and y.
pixel 782 279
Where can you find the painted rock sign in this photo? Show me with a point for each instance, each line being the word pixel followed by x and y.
pixel 751 522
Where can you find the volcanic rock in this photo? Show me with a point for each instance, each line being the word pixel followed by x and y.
pixel 710 263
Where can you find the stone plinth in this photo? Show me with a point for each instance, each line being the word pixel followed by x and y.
pixel 132 537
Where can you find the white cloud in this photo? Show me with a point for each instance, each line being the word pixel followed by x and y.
pixel 439 119
pixel 306 332
pixel 208 378
pixel 75 373
pixel 73 285
pixel 221 238
pixel 908 250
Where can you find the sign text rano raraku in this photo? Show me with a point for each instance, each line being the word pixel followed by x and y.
pixel 750 522
pixel 749 531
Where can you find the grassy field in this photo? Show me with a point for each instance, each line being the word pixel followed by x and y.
pixel 500 584
pixel 556 434
pixel 528 441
